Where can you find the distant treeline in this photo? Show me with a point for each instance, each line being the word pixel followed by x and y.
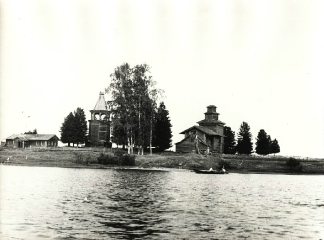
pixel 244 145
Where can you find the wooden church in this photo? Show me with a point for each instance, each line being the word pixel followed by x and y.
pixel 99 125
pixel 205 138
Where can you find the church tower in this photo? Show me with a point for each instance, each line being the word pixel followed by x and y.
pixel 211 120
pixel 99 125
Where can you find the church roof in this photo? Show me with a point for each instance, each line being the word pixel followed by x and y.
pixel 101 103
pixel 203 129
pixel 209 121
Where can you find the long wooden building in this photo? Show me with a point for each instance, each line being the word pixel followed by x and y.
pixel 208 136
pixel 32 140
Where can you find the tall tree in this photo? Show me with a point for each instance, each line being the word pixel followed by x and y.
pixel 274 146
pixel 132 103
pixel 121 105
pixel 244 143
pixel 229 141
pixel 163 133
pixel 262 143
pixel 80 126
pixel 67 129
pixel 154 94
pixel 144 109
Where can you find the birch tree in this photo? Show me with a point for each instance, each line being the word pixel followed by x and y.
pixel 122 107
pixel 133 104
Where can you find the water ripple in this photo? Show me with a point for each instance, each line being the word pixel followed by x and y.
pixel 43 203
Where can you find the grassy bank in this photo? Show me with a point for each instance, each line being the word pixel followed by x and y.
pixel 59 157
pixel 88 158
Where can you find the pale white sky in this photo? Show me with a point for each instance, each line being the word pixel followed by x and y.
pixel 257 61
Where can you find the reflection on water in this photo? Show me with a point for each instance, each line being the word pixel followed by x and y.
pixel 54 203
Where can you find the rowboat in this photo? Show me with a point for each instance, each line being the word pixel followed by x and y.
pixel 209 171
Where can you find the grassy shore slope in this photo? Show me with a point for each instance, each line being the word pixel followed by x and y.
pixel 87 158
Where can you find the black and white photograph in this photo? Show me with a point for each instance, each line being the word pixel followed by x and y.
pixel 160 119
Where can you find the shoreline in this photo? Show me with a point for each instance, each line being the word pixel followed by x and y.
pixel 132 168
pixel 167 161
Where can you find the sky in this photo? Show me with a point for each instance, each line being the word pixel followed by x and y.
pixel 258 61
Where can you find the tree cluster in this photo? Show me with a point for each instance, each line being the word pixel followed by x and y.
pixel 31 132
pixel 137 120
pixel 74 128
pixel 264 144
pixel 244 145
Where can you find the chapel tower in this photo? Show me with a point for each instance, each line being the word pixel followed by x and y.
pixel 211 120
pixel 99 125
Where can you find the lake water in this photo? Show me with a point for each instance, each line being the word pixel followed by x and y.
pixel 49 203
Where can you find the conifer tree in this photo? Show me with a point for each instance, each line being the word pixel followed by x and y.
pixel 67 129
pixel 74 128
pixel 229 141
pixel 163 133
pixel 274 146
pixel 262 143
pixel 244 143
pixel 80 126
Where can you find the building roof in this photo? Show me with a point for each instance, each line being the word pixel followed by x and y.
pixel 211 121
pixel 101 103
pixel 199 139
pixel 202 129
pixel 27 137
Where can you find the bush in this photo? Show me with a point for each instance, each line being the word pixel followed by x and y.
pixel 107 159
pixel 84 158
pixel 118 153
pixel 127 160
pixel 117 159
pixel 294 164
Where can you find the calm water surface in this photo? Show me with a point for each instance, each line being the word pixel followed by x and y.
pixel 49 203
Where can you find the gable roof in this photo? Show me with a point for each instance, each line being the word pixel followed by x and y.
pixel 27 137
pixel 19 136
pixel 199 139
pixel 202 129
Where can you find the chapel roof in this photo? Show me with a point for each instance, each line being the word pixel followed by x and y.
pixel 209 121
pixel 199 139
pixel 202 129
pixel 101 103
